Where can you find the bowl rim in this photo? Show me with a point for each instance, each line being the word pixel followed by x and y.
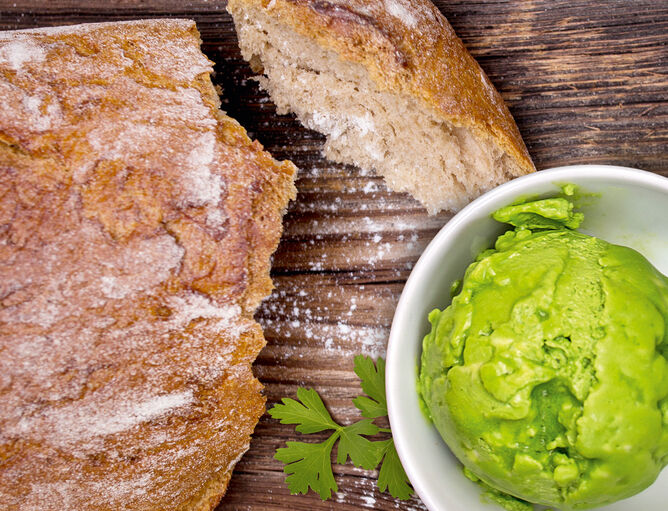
pixel 402 315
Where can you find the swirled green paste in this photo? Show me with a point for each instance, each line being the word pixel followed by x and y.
pixel 547 375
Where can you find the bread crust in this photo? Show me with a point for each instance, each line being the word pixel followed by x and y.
pixel 137 222
pixel 407 47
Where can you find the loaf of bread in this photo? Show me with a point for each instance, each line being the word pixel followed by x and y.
pixel 137 222
pixel 393 89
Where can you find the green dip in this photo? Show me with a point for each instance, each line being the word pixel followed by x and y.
pixel 547 375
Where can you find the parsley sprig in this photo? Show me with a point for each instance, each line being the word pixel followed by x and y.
pixel 308 465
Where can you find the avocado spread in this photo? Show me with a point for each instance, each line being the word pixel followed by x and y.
pixel 547 375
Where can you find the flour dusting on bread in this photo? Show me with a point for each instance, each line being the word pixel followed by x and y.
pixel 398 9
pixel 18 52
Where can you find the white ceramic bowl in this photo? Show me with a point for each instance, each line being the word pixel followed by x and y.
pixel 632 210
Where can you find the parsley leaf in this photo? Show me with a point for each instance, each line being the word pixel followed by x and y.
pixel 311 416
pixel 373 383
pixel 361 451
pixel 309 465
pixel 392 476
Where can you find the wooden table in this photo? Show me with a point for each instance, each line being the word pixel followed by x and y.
pixel 587 82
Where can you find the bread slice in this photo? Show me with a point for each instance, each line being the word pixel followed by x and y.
pixel 136 226
pixel 393 89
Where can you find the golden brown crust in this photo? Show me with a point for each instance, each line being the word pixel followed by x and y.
pixel 136 225
pixel 408 47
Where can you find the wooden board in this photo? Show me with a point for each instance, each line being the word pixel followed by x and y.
pixel 587 82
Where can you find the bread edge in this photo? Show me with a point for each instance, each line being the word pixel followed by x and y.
pixel 268 209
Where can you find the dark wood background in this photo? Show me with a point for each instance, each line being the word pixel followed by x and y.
pixel 587 82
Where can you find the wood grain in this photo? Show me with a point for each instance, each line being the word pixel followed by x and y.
pixel 587 82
